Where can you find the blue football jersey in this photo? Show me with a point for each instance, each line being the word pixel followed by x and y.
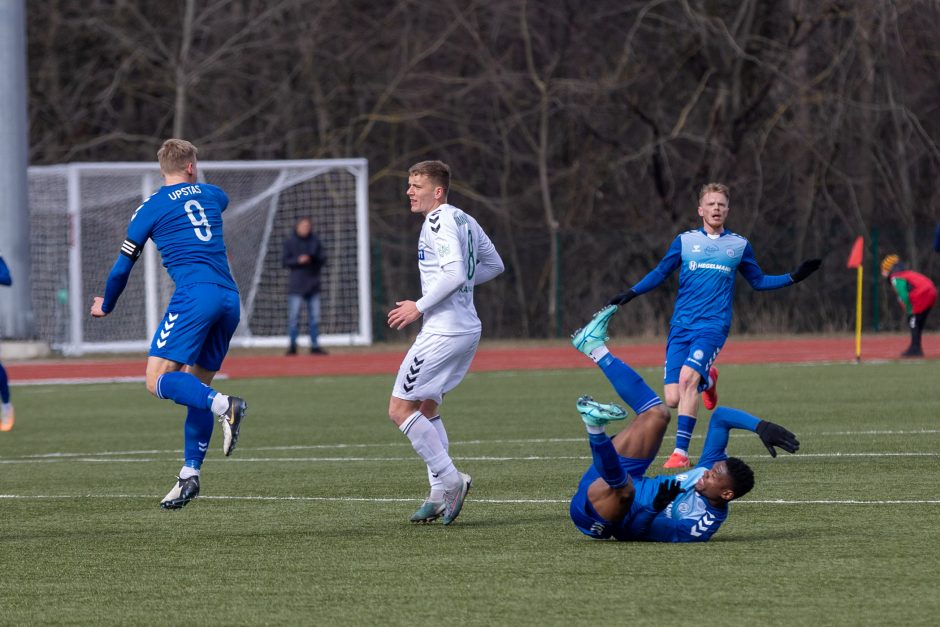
pixel 185 223
pixel 690 517
pixel 706 278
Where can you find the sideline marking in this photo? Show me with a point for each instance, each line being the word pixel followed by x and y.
pixel 109 458
pixel 356 499
pixel 405 444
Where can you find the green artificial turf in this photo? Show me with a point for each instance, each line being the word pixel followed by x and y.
pixel 308 522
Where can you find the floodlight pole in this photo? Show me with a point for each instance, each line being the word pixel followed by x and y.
pixel 16 307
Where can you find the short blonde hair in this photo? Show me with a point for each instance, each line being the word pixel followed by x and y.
pixel 437 172
pixel 718 188
pixel 175 154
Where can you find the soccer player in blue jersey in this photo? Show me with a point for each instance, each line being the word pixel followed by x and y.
pixel 184 219
pixel 7 416
pixel 708 259
pixel 615 500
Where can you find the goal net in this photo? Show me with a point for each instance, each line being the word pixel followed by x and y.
pixel 79 215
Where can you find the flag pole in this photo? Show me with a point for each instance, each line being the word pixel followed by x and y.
pixel 855 261
pixel 858 317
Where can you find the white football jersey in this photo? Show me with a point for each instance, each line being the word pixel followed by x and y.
pixel 448 236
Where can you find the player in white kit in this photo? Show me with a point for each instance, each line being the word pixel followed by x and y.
pixel 454 255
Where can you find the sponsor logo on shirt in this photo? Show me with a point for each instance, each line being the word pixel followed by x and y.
pixel 711 248
pixel 420 254
pixel 694 265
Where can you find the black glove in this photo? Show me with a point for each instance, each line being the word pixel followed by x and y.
pixel 666 494
pixel 806 268
pixel 623 298
pixel 772 435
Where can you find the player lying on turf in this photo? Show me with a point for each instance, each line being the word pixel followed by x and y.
pixel 615 499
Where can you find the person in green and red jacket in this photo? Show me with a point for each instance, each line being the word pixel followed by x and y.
pixel 917 295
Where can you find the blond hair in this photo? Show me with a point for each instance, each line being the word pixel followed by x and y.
pixel 437 172
pixel 718 188
pixel 175 154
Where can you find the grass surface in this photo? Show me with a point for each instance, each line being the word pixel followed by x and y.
pixel 845 532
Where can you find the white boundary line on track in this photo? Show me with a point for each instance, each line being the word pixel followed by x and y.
pixel 353 499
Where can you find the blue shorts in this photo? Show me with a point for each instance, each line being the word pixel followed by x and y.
pixel 198 325
pixel 696 349
pixel 588 521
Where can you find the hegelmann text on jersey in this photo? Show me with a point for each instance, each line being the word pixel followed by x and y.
pixel 189 190
pixel 694 265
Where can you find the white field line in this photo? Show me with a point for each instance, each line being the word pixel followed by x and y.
pixel 355 499
pixel 174 456
pixel 63 456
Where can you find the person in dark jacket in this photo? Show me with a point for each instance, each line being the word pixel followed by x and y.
pixel 305 257
pixel 916 294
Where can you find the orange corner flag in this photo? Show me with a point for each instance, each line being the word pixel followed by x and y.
pixel 855 257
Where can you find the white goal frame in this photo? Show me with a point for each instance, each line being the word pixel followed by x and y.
pixel 291 173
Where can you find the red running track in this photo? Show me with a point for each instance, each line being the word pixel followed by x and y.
pixel 799 349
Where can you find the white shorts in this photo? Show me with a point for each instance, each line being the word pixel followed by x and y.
pixel 434 365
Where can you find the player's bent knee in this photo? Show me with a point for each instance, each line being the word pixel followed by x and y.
pixel 659 414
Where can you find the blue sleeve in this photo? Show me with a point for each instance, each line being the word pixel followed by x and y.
pixel 222 197
pixel 936 238
pixel 756 277
pixel 666 267
pixel 716 440
pixel 117 281
pixel 5 277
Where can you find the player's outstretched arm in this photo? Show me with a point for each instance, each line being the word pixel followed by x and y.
pixel 655 277
pixel 622 298
pixel 726 418
pixel 805 269
pixel 772 434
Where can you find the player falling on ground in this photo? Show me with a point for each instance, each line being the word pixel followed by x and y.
pixel 454 255
pixel 615 500
pixel 7 415
pixel 184 219
pixel 701 320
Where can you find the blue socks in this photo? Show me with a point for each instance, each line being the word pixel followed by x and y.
pixel 184 388
pixel 606 460
pixel 196 436
pixel 684 427
pixel 629 385
pixel 4 386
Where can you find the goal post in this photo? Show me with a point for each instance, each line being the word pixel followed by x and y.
pixel 79 215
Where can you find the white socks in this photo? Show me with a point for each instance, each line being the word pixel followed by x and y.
pixel 437 486
pixel 599 353
pixel 186 472
pixel 219 405
pixel 427 444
